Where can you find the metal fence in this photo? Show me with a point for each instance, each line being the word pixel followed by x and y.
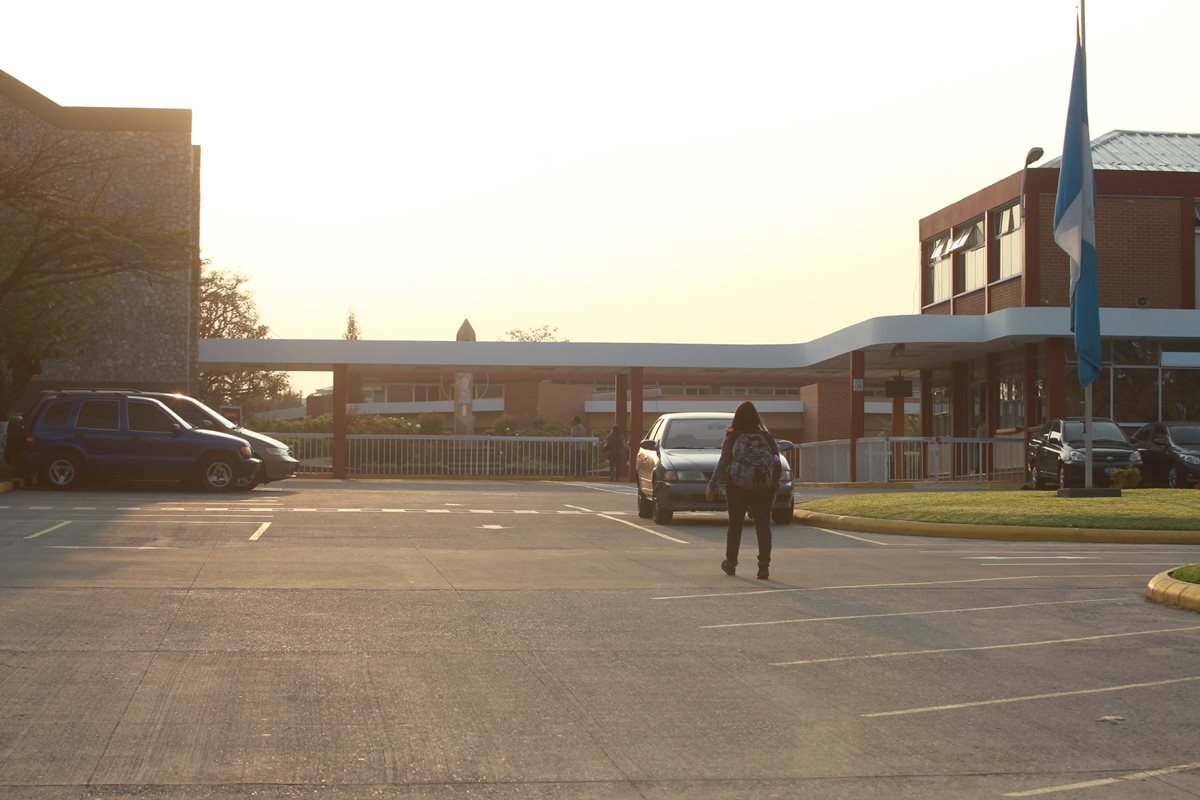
pixel 913 458
pixel 476 456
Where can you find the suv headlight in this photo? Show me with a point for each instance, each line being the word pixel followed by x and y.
pixel 786 474
pixel 245 451
pixel 1135 457
pixel 1076 456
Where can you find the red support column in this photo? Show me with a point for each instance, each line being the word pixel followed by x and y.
pixel 1054 366
pixel 341 373
pixel 898 430
pixel 621 409
pixel 858 420
pixel 636 428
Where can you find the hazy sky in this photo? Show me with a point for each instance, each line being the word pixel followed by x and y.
pixel 624 171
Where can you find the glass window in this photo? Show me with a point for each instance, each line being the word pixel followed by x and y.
pixel 1181 394
pixel 1010 242
pixel 943 279
pixel 55 415
pixel 1010 406
pixel 1074 394
pixel 103 415
pixel 1186 435
pixel 1134 352
pixel 149 417
pixel 1135 395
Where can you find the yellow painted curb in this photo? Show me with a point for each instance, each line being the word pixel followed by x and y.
pixel 1015 533
pixel 8 486
pixel 1165 589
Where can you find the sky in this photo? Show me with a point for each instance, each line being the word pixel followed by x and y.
pixel 694 172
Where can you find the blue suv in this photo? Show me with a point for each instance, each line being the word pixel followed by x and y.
pixel 70 435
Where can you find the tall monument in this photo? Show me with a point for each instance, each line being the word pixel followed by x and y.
pixel 464 407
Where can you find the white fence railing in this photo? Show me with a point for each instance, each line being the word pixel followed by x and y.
pixel 913 458
pixel 479 456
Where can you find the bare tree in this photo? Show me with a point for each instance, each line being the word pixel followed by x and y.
pixel 352 331
pixel 545 333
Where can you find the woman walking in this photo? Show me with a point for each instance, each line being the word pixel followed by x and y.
pixel 750 468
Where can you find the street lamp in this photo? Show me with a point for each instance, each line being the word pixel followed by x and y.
pixel 1033 155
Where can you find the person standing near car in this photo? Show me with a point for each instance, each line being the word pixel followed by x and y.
pixel 750 468
pixel 614 445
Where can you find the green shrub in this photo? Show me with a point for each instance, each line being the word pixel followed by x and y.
pixel 1127 478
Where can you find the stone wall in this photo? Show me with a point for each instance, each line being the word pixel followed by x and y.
pixel 142 332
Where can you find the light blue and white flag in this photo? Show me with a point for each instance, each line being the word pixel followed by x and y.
pixel 1075 224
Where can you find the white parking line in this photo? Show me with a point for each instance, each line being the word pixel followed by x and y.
pixel 753 592
pixel 48 530
pixel 1028 697
pixel 851 536
pixel 912 613
pixel 579 508
pixel 641 528
pixel 261 530
pixel 894 654
pixel 1133 776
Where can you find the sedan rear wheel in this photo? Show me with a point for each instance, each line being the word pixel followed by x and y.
pixel 645 507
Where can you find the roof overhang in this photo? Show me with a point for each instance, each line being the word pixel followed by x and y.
pixel 929 341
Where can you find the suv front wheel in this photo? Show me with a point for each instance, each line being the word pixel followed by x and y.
pixel 63 471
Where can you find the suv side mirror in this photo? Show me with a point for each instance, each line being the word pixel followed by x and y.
pixel 649 444
pixel 785 445
pixel 206 424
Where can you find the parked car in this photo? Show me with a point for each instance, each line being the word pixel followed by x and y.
pixel 276 457
pixel 1170 453
pixel 1057 454
pixel 677 459
pixel 106 434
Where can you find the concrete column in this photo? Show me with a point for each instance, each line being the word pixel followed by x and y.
pixel 636 428
pixel 341 374
pixel 858 419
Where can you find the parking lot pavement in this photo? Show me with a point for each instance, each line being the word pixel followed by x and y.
pixel 443 640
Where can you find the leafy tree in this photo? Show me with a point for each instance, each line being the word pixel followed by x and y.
pixel 227 311
pixel 61 237
pixel 352 332
pixel 546 333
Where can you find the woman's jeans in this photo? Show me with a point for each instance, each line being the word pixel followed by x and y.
pixel 758 502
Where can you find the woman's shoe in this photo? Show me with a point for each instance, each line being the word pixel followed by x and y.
pixel 763 574
pixel 729 568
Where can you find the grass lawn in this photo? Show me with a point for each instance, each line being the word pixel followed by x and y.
pixel 1146 509
pixel 1189 573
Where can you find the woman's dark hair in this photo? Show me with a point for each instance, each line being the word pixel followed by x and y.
pixel 746 418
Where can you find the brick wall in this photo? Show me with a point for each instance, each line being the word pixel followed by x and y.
pixel 141 332
pixel 558 402
pixel 972 303
pixel 1138 254
pixel 1006 295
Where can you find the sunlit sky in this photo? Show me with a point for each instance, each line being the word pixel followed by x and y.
pixel 622 171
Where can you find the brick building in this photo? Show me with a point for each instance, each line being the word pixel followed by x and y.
pixel 980 257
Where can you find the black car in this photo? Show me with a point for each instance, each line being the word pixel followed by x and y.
pixel 677 459
pixel 75 434
pixel 1170 453
pixel 1057 454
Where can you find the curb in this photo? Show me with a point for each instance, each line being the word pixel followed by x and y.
pixel 9 485
pixel 1016 533
pixel 1168 591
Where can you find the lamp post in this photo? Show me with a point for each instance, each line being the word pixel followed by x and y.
pixel 1033 155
